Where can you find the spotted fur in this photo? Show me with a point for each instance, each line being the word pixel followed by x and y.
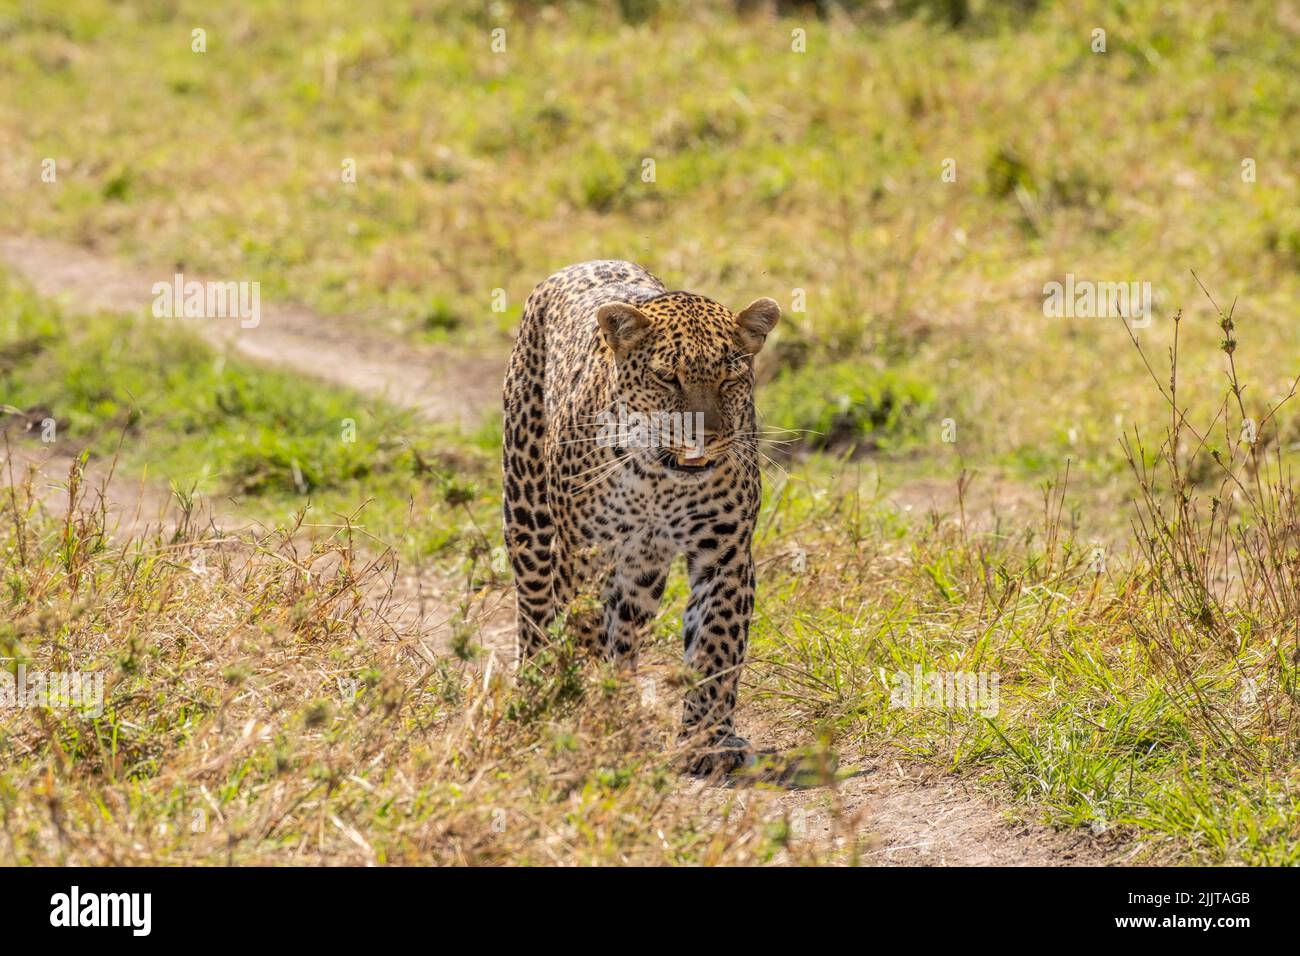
pixel 585 517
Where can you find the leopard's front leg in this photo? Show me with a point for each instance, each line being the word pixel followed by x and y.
pixel 632 596
pixel 716 633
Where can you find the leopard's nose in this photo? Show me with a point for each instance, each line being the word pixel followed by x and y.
pixel 708 422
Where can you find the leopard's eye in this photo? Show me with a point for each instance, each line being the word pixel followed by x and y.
pixel 667 377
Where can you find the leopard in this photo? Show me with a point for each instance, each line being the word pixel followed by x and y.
pixel 595 514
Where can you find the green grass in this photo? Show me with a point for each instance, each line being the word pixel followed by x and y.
pixel 1187 751
pixel 775 171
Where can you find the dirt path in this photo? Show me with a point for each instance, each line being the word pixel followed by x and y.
pixel 437 384
pixel 911 816
pixel 917 816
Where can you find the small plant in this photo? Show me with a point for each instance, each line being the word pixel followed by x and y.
pixel 1222 622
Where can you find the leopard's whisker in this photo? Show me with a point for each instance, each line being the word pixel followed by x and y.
pixel 608 473
pixel 596 467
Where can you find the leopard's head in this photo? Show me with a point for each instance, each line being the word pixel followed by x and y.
pixel 683 368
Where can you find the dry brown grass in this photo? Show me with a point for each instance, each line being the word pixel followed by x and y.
pixel 265 704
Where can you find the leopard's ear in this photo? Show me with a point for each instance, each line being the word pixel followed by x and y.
pixel 754 322
pixel 622 325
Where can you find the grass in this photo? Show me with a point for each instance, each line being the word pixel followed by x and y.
pixel 266 705
pixel 1105 542
pixel 1122 706
pixel 1151 692
pixel 816 178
